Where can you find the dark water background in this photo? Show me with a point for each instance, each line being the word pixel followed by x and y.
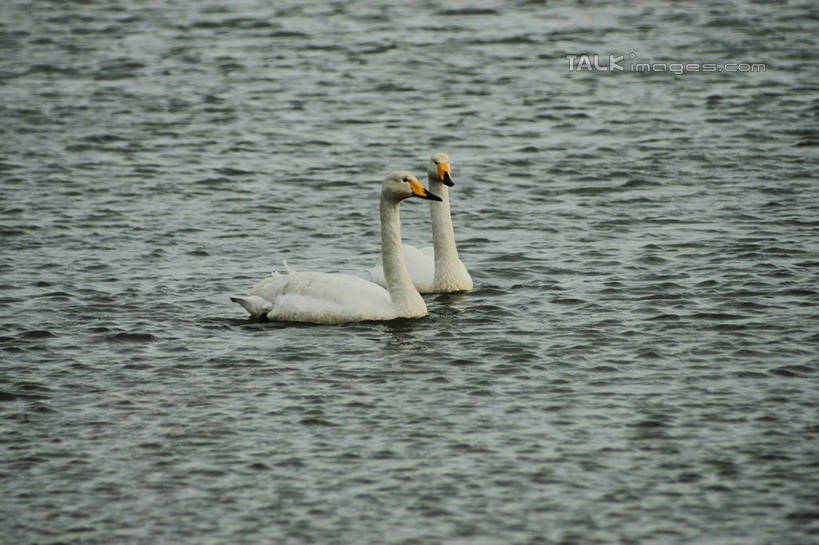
pixel 638 361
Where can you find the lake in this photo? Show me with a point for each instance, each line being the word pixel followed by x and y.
pixel 635 198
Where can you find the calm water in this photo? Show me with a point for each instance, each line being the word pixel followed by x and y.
pixel 638 362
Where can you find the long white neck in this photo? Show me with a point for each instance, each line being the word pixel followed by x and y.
pixel 447 264
pixel 399 283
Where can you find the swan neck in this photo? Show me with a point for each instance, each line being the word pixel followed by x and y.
pixel 443 234
pixel 398 280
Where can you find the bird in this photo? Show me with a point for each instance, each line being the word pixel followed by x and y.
pixel 436 269
pixel 336 298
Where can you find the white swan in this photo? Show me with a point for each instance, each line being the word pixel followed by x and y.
pixel 435 269
pixel 334 298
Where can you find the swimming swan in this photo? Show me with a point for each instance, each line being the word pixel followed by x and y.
pixel 334 298
pixel 435 269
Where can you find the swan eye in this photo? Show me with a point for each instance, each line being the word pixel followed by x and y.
pixel 406 179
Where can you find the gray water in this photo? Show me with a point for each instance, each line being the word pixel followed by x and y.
pixel 638 360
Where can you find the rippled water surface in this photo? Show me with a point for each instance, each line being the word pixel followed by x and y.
pixel 637 362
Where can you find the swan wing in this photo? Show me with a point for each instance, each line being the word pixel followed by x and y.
pixel 420 265
pixel 428 251
pixel 376 273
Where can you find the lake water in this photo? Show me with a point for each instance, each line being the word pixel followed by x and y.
pixel 637 363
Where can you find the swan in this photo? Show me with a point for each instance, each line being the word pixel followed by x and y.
pixel 334 298
pixel 435 269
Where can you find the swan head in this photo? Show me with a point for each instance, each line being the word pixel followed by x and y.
pixel 402 185
pixel 438 169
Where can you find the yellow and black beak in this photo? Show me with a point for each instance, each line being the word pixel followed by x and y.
pixel 444 174
pixel 420 191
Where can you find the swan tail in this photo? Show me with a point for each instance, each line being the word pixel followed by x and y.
pixel 255 305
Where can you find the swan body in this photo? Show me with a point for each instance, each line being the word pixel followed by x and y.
pixel 435 269
pixel 319 298
pixel 333 298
